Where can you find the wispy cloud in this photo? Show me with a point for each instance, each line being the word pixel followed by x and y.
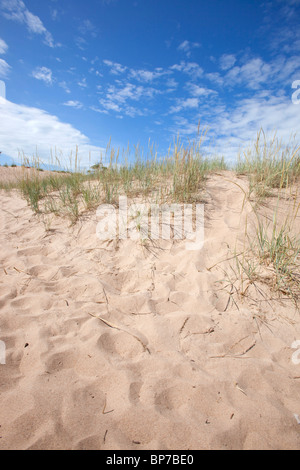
pixel 227 61
pixel 171 84
pixel 74 104
pixel 87 27
pixel 143 75
pixel 16 10
pixel 3 46
pixel 119 95
pixel 109 105
pixel 215 77
pixel 190 68
pixel 273 114
pixel 187 46
pixel 64 86
pixel 115 68
pixel 281 25
pixel 95 71
pixel 4 68
pixel 82 83
pixel 234 128
pixel 256 73
pixel 44 74
pixel 81 43
pixel 183 104
pixel 252 74
pixel 99 110
pixel 199 91
pixel 54 14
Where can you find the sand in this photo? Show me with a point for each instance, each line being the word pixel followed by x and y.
pixel 172 363
pixel 16 174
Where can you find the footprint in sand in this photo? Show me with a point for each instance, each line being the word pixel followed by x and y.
pixel 60 361
pixel 134 392
pixel 120 344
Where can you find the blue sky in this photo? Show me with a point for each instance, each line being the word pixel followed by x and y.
pixel 78 73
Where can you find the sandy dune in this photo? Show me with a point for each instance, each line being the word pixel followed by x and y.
pixel 15 174
pixel 176 364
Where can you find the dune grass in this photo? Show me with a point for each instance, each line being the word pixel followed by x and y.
pixel 269 165
pixel 272 252
pixel 271 256
pixel 179 177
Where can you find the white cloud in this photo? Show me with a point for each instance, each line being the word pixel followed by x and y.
pixel 183 104
pixel 64 86
pixel 98 110
pixel 81 43
pixel 128 91
pixel 148 75
pixel 16 10
pixel 273 114
pixel 171 85
pixel 24 129
pixel 233 130
pixel 199 91
pixel 109 105
pixel 255 72
pixel 132 112
pixel 44 74
pixel 74 104
pixel 3 46
pixel 285 69
pixel 269 112
pixel 184 127
pixel 227 61
pixel 54 14
pixel 4 68
pixel 87 27
pixel 252 74
pixel 82 83
pixel 215 77
pixel 141 75
pixel 115 68
pixel 187 46
pixel 190 68
pixel 117 97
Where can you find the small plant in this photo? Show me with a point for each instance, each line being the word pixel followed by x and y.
pixel 269 165
pixel 279 250
pixel 32 191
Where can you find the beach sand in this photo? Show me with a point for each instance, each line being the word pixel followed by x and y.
pixel 174 360
pixel 15 174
